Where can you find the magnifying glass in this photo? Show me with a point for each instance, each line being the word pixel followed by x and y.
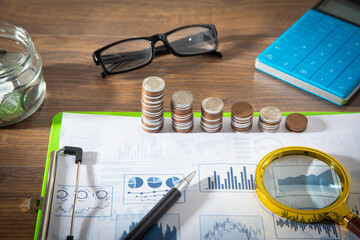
pixel 305 185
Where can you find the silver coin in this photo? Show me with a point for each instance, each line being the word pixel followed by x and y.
pixel 182 98
pixel 270 115
pixel 212 105
pixel 154 84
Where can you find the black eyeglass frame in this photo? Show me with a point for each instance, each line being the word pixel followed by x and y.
pixel 166 48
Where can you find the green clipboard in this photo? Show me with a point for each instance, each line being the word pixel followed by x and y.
pixel 55 130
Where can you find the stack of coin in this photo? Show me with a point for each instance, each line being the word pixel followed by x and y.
pixel 241 116
pixel 152 104
pixel 296 122
pixel 269 119
pixel 181 111
pixel 211 114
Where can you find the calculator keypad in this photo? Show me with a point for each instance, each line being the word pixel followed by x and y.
pixel 320 50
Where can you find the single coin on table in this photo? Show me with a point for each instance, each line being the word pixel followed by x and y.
pixel 296 122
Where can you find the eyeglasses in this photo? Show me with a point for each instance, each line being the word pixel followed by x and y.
pixel 130 54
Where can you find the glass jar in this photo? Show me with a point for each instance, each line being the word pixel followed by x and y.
pixel 22 85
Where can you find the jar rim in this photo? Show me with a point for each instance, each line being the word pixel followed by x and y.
pixel 17 34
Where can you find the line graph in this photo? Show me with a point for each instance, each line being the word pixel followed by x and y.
pixel 232 227
pixel 285 228
pixel 93 201
pixel 167 228
pixel 319 180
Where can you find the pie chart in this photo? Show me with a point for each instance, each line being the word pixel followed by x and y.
pixel 154 182
pixel 135 182
pixel 172 182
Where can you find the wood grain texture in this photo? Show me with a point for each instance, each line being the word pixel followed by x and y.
pixel 67 32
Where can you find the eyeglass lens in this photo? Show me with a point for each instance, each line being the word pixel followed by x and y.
pixel 192 40
pixel 127 55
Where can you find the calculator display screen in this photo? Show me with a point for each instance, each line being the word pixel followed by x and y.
pixel 347 10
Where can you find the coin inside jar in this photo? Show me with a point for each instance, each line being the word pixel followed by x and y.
pixel 296 122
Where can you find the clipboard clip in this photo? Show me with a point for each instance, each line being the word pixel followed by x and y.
pixel 44 203
pixel 34 203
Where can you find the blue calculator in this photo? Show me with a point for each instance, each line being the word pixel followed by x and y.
pixel 319 53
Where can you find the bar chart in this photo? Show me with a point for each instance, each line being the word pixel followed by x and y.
pixel 227 177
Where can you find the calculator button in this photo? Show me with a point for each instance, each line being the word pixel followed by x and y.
pixel 314 15
pixel 296 31
pixel 322 29
pixel 349 78
pixel 303 72
pixel 340 60
pixel 273 53
pixel 330 45
pixel 268 57
pixel 340 89
pixel 305 46
pixel 331 70
pixel 306 23
pixel 295 54
pixel 288 39
pixel 330 21
pixel 278 47
pixel 321 80
pixel 322 53
pixel 354 42
pixel 347 27
pixel 355 66
pixel 313 37
pixel 340 35
pixel 348 52
pixel 285 64
pixel 313 62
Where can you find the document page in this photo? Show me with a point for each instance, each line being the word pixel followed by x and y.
pixel 126 171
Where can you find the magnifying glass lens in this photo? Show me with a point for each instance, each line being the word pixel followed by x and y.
pixel 302 182
pixel 305 185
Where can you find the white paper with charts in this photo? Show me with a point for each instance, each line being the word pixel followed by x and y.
pixel 125 171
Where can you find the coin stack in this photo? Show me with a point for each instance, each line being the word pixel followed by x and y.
pixel 211 114
pixel 152 104
pixel 269 119
pixel 241 116
pixel 296 122
pixel 181 111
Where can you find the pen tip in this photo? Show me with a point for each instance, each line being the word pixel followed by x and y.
pixel 190 176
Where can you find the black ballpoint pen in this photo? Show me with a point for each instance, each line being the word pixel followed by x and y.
pixel 159 209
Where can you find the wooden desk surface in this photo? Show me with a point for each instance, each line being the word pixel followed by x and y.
pixel 67 32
